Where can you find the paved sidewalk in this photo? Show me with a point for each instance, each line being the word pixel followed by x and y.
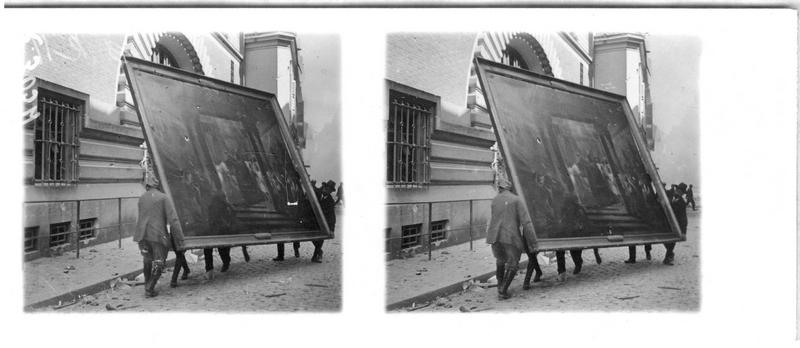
pixel 48 277
pixel 412 277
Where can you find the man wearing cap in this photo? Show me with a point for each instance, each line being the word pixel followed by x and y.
pixel 508 215
pixel 154 239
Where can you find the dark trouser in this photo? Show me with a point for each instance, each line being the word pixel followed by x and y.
pixel 180 263
pixel 507 258
pixel 281 249
pixel 670 250
pixel 632 251
pixel 506 255
pixel 561 262
pixel 224 254
pixel 154 256
pixel 317 245
pixel 682 223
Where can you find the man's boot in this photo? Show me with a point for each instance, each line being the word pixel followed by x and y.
pixel 669 259
pixel 500 272
pixel 155 274
pixel 526 283
pixel 631 254
pixel 280 253
pixel 185 270
pixel 317 258
pixel 647 251
pixel 296 246
pixel 597 256
pixel 578 267
pixel 577 260
pixel 173 283
pixel 146 271
pixel 508 277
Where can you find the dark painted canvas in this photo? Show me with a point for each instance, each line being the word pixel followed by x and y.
pixel 575 156
pixel 225 156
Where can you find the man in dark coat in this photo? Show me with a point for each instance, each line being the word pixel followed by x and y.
pixel 508 215
pixel 296 245
pixel 328 205
pixel 155 213
pixel 690 196
pixel 678 204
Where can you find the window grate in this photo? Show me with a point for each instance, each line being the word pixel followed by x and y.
pixel 410 236
pixel 31 238
pixel 86 228
pixel 438 230
pixel 59 233
pixel 408 140
pixel 56 141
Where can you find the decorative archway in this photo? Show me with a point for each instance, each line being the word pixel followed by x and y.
pixel 527 48
pixel 182 50
pixel 173 49
pixel 517 49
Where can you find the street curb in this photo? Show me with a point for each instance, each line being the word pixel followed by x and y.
pixel 446 290
pixel 71 296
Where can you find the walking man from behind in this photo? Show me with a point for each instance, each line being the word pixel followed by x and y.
pixel 155 212
pixel 508 215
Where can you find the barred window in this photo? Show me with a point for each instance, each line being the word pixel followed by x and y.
pixel 31 238
pixel 411 236
pixel 408 140
pixel 438 230
pixel 59 233
pixel 56 143
pixel 86 228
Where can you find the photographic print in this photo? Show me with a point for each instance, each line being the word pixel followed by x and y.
pixel 508 150
pixel 150 156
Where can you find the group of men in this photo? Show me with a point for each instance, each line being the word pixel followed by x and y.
pixel 158 230
pixel 509 217
pixel 679 197
pixel 327 204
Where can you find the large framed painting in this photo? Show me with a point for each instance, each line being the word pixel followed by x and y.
pixel 225 156
pixel 577 159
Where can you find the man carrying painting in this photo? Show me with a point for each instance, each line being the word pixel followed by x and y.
pixel 508 215
pixel 154 239
pixel 678 204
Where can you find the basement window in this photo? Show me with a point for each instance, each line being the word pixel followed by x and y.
pixel 31 238
pixel 59 233
pixel 410 235
pixel 438 230
pixel 87 230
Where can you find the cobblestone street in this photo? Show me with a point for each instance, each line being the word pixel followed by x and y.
pixel 295 284
pixel 610 286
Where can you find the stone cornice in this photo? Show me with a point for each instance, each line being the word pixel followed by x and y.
pixel 270 39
